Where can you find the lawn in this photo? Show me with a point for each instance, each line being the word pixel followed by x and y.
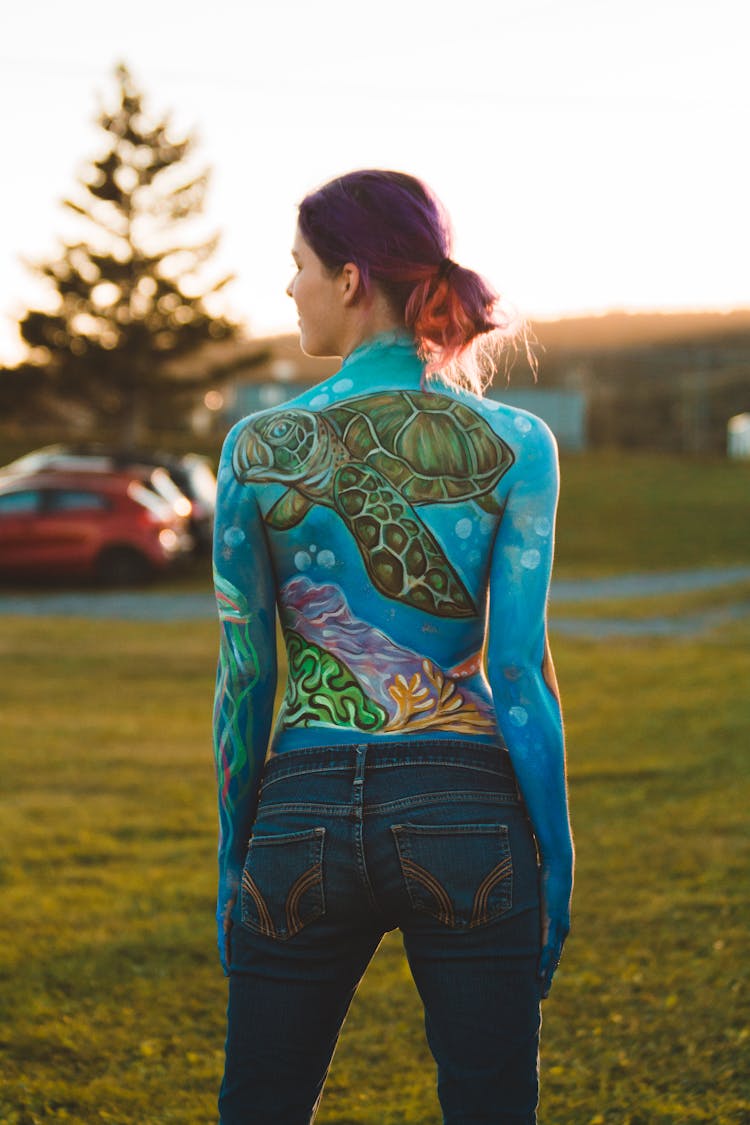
pixel 113 998
pixel 646 511
pixel 624 512
pixel 640 512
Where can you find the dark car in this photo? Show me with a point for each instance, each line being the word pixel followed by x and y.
pixel 103 525
pixel 194 474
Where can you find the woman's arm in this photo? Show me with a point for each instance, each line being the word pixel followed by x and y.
pixel 522 676
pixel 246 675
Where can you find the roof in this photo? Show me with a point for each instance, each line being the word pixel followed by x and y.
pixel 65 478
pixel 265 359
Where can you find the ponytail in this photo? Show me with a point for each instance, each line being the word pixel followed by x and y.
pixel 398 234
pixel 457 323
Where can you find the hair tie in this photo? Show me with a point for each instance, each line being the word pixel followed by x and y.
pixel 446 268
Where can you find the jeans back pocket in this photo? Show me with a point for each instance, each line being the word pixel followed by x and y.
pixel 282 882
pixel 459 874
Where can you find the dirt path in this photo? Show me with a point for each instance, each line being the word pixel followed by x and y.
pixel 686 625
pixel 647 585
pixel 153 605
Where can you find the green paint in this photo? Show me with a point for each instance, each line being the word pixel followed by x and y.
pixel 238 674
pixel 406 565
pixel 372 459
pixel 321 689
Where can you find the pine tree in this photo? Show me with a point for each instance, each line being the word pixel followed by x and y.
pixel 129 300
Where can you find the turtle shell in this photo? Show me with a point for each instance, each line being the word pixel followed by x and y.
pixel 432 448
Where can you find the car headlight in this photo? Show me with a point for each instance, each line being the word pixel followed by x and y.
pixel 168 539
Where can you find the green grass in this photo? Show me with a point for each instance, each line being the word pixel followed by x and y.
pixel 641 511
pixel 636 511
pixel 623 512
pixel 113 999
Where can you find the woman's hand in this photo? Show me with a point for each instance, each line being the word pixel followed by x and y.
pixel 557 886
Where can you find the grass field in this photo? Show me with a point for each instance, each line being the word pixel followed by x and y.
pixel 627 511
pixel 642 512
pixel 112 999
pixel 621 512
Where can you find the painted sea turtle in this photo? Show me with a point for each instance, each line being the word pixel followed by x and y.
pixel 374 459
pixel 433 449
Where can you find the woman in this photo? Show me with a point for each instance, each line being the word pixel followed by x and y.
pixel 403 526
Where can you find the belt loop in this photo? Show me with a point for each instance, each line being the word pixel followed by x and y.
pixel 359 769
pixel 359 779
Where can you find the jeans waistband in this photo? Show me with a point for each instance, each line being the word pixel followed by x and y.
pixel 378 755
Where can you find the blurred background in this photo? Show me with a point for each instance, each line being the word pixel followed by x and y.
pixel 593 158
pixel 590 156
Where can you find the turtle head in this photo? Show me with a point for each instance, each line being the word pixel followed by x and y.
pixel 278 447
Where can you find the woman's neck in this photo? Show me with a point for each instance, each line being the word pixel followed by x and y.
pixel 369 321
pixel 388 359
pixel 386 362
pixel 392 338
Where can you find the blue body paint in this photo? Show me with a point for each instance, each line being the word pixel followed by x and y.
pixel 406 537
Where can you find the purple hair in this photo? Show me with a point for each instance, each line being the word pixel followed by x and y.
pixel 392 227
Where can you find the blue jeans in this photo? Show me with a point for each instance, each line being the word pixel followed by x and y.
pixel 348 843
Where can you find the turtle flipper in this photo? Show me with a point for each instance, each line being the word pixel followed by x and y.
pixel 403 558
pixel 489 503
pixel 289 510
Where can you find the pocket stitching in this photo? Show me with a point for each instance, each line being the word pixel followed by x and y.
pixel 265 924
pixel 303 883
pixel 502 871
pixel 479 912
pixel 434 886
pixel 311 876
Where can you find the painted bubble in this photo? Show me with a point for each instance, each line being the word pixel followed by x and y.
pixel 519 716
pixel 530 559
pixel 543 526
pixel 474 557
pixel 491 404
pixel 312 548
pixel 233 536
pixel 523 425
pixel 319 400
pixel 342 385
pixel 486 523
pixel 464 528
pixel 326 559
pixel 302 560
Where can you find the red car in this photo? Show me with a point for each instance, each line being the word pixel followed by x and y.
pixel 108 526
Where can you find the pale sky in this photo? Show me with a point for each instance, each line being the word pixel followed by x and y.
pixel 592 153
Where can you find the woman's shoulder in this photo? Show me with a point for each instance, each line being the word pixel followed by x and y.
pixel 305 400
pixel 524 432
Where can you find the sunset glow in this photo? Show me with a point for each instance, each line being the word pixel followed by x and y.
pixel 590 154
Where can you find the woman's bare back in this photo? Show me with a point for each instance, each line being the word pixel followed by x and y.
pixel 380 504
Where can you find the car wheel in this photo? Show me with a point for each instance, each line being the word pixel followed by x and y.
pixel 123 566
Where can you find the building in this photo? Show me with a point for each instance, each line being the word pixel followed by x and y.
pixel 667 382
pixel 287 371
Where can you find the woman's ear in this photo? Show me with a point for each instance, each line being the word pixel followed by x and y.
pixel 350 278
